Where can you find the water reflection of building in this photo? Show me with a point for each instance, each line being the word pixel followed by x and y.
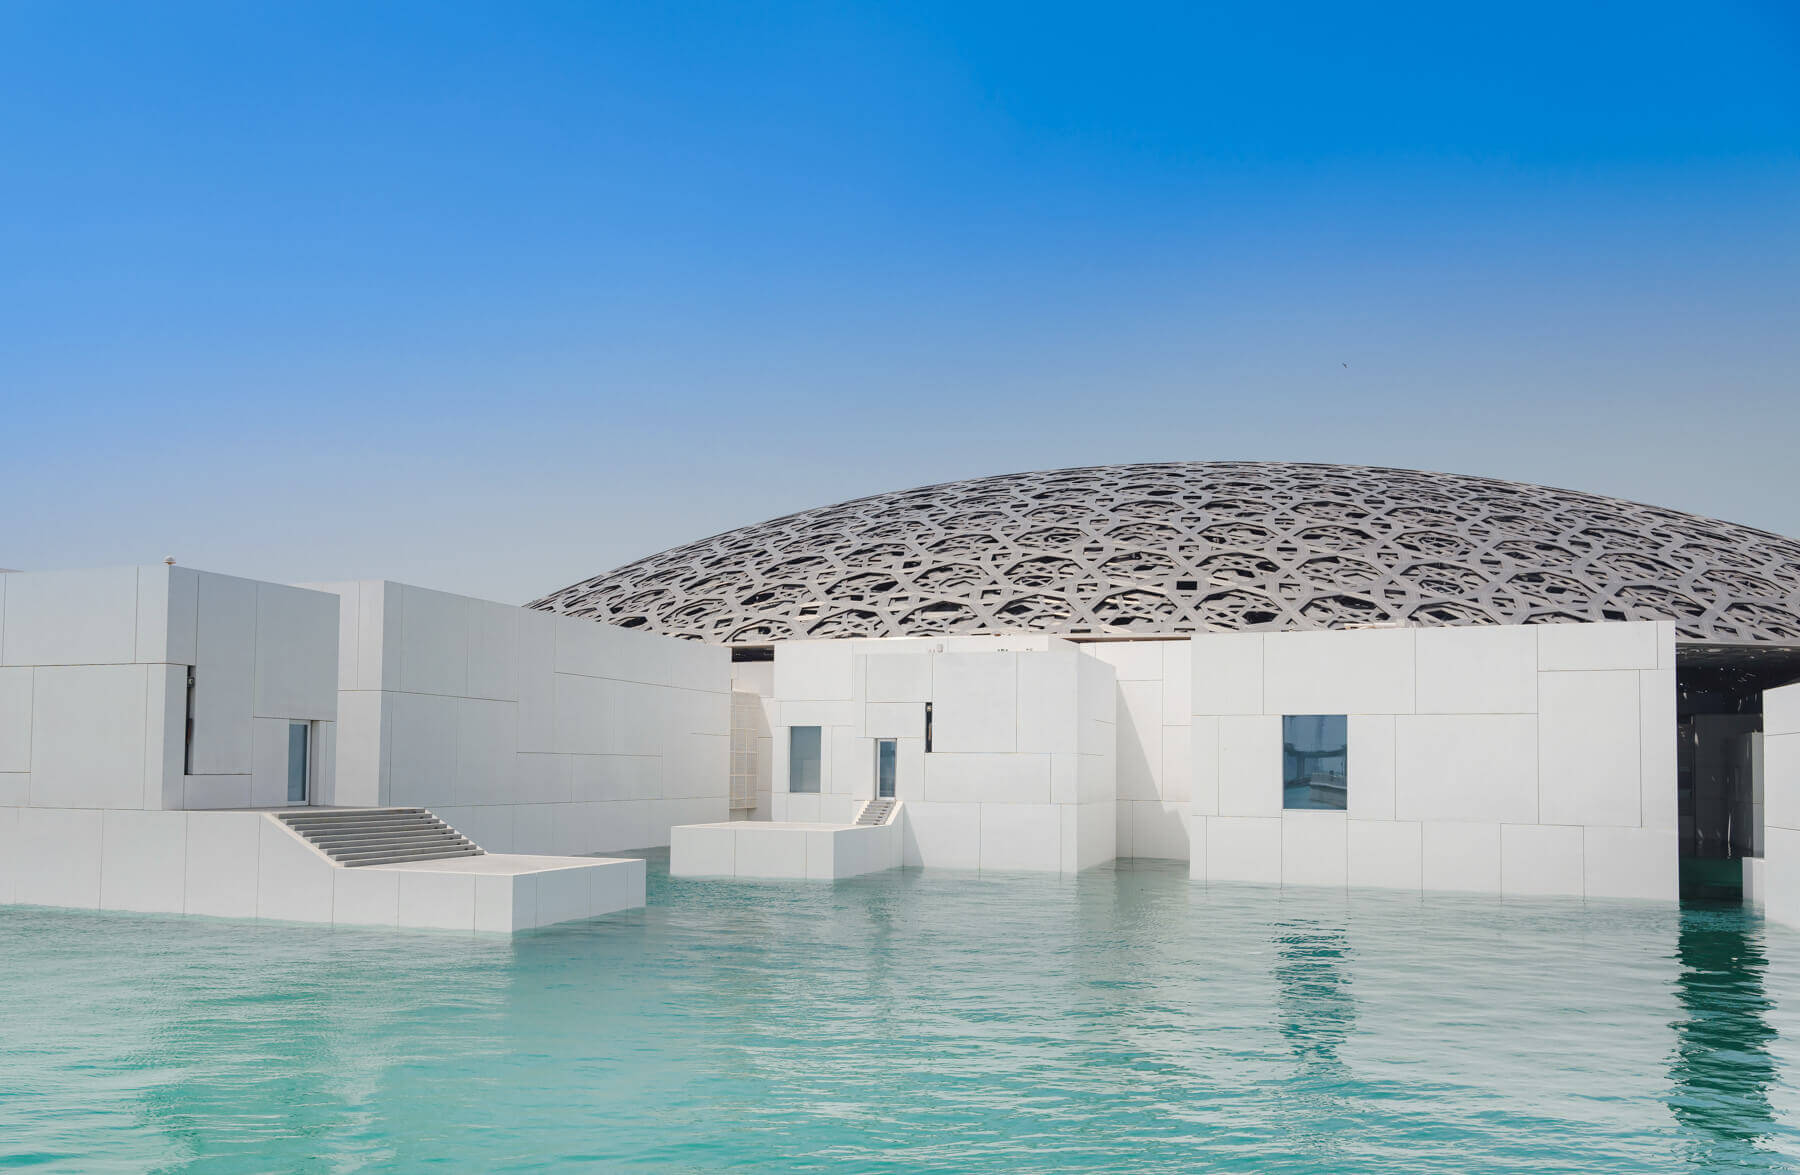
pixel 1722 1069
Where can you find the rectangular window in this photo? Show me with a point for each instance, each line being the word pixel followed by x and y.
pixel 297 756
pixel 886 763
pixel 1315 762
pixel 803 758
pixel 928 728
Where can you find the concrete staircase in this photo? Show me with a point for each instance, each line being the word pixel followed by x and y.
pixel 876 812
pixel 379 836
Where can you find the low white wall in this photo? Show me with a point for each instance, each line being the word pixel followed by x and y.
pixel 1779 889
pixel 247 865
pixel 1521 759
pixel 530 732
pixel 1022 773
pixel 93 688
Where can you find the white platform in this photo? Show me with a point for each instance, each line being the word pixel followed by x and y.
pixel 759 848
pixel 248 864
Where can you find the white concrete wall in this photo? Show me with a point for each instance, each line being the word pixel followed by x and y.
pixel 1022 774
pixel 530 732
pixel 1777 888
pixel 93 688
pixel 1518 760
pixel 1155 733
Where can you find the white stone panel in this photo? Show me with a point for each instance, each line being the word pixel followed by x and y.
pixel 9 836
pixel 221 864
pixel 224 675
pixel 894 720
pixel 1177 779
pixel 422 762
pixel 87 736
pixel 1360 672
pixel 1159 830
pixel 535 661
pixel 366 897
pixel 167 612
pixel 1540 860
pixel 293 882
pixel 1780 875
pixel 898 677
pixel 1314 849
pixel 1250 765
pixel 434 642
pixel 58 858
pixel 1139 731
pixel 364 733
pixel 142 861
pixel 1203 757
pixel 1372 767
pixel 1178 682
pixel 817 670
pixel 493 651
pixel 199 792
pixel 1781 710
pixel 1657 725
pixel 486 759
pixel 1021 837
pixel 702 850
pixel 1001 779
pixel 1049 693
pixel 1462 856
pixel 531 828
pixel 15 719
pixel 1781 780
pixel 1477 669
pixel 1480 767
pixel 975 702
pixel 563 895
pixel 1630 863
pixel 442 901
pixel 15 789
pixel 1597 646
pixel 1228 673
pixel 71 617
pixel 1386 854
pixel 269 762
pixel 296 653
pixel 1588 749
pixel 1243 849
pixel 1131 660
pixel 505 902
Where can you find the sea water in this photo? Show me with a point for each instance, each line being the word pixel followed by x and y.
pixel 1122 1020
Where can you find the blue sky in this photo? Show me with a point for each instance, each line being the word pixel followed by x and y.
pixel 494 297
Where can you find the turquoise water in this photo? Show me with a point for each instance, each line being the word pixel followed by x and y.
pixel 1122 1020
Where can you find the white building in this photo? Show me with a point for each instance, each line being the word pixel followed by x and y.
pixel 1277 674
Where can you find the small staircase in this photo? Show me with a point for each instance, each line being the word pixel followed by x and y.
pixel 876 812
pixel 379 836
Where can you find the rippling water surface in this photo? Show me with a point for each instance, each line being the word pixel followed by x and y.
pixel 1122 1020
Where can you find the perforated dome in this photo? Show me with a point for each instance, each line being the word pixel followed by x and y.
pixel 1206 546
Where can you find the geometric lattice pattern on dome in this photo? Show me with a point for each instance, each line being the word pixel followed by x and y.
pixel 1189 547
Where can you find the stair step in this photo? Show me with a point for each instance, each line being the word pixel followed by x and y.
pixel 380 836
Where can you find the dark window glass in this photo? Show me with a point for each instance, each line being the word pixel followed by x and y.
pixel 803 758
pixel 1315 757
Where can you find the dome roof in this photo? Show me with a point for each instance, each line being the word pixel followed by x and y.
pixel 1186 547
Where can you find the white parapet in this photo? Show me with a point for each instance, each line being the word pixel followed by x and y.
pixel 819 852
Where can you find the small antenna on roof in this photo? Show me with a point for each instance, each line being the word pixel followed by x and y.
pixel 170 560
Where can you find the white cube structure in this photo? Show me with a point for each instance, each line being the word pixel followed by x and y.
pixel 530 732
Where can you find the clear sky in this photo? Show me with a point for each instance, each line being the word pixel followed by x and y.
pixel 494 297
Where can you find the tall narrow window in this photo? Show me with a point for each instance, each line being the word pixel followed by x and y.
pixel 928 728
pixel 886 767
pixel 298 747
pixel 187 745
pixel 1315 761
pixel 803 758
